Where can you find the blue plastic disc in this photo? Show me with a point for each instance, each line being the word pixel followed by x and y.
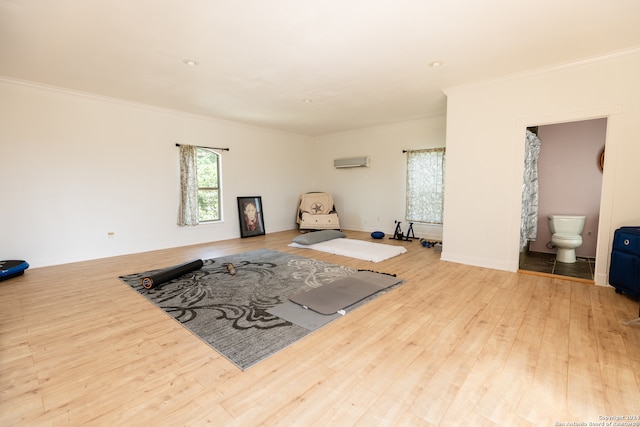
pixel 377 234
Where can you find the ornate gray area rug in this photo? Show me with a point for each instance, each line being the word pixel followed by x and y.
pixel 232 312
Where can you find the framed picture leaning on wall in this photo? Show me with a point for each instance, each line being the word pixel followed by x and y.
pixel 250 213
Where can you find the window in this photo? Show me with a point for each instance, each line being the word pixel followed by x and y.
pixel 425 185
pixel 208 172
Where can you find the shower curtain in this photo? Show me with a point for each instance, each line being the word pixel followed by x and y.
pixel 529 213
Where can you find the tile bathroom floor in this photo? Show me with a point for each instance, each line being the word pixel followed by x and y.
pixel 540 262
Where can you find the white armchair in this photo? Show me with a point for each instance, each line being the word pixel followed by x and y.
pixel 316 211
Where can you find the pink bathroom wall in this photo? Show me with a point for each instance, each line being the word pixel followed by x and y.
pixel 570 179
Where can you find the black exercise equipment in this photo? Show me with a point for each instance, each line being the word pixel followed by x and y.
pixel 424 242
pixel 171 273
pixel 398 235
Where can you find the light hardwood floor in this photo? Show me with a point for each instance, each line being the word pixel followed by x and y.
pixel 455 345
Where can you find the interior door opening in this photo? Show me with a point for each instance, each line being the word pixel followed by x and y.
pixel 569 182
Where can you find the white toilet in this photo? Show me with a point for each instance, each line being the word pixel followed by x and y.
pixel 566 233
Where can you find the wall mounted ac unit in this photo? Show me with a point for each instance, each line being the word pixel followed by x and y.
pixel 352 162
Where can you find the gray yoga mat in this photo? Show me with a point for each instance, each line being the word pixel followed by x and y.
pixel 301 316
pixel 328 299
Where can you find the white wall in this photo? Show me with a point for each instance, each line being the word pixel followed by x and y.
pixel 370 199
pixel 485 147
pixel 76 167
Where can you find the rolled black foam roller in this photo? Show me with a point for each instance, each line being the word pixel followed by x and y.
pixel 171 273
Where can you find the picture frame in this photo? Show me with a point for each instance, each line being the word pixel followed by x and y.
pixel 250 216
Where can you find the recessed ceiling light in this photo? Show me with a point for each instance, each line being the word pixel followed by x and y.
pixel 436 64
pixel 190 62
pixel 307 101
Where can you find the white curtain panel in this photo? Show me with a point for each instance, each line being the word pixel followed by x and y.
pixel 188 211
pixel 529 213
pixel 425 185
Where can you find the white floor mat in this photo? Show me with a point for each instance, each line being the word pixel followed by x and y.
pixel 360 249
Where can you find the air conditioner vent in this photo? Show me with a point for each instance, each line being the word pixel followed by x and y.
pixel 352 162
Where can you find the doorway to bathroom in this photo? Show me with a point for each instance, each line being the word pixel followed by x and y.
pixel 569 182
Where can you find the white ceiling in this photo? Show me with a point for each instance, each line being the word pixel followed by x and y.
pixel 361 62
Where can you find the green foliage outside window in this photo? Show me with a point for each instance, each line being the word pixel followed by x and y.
pixel 208 185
